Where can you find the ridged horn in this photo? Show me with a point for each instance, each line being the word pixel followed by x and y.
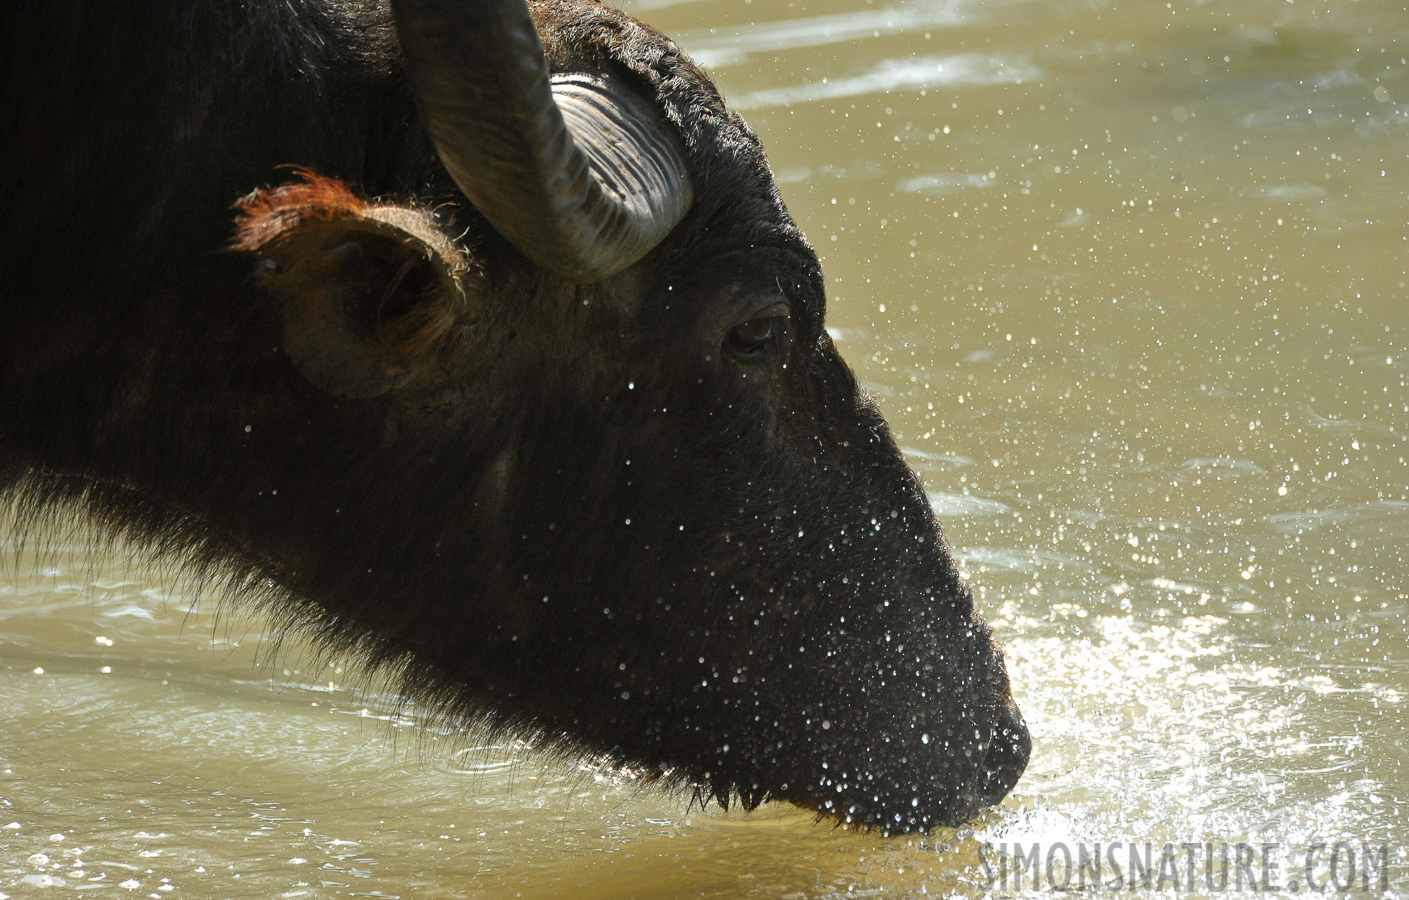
pixel 580 173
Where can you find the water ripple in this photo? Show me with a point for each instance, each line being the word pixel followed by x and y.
pixel 710 49
pixel 946 184
pixel 1311 520
pixel 965 506
pixel 1032 562
pixel 1287 192
pixel 1224 464
pixel 960 70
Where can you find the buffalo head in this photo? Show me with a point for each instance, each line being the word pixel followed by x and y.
pixel 556 433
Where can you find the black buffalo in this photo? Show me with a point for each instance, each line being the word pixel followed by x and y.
pixel 517 386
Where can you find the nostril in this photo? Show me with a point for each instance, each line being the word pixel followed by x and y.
pixel 1007 756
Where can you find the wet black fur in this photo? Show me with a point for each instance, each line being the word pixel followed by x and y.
pixel 779 618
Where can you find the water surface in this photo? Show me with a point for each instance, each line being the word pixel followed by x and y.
pixel 1129 282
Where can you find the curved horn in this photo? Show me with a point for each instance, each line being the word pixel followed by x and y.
pixel 581 174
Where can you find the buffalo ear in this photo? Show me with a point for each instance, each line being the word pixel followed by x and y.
pixel 367 292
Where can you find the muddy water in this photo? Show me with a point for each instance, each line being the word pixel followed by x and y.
pixel 1129 281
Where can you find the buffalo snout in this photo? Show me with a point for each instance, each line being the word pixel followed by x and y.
pixel 1007 755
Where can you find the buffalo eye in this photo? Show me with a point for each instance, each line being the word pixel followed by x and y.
pixel 750 341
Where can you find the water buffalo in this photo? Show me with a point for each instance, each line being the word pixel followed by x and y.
pixel 516 387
